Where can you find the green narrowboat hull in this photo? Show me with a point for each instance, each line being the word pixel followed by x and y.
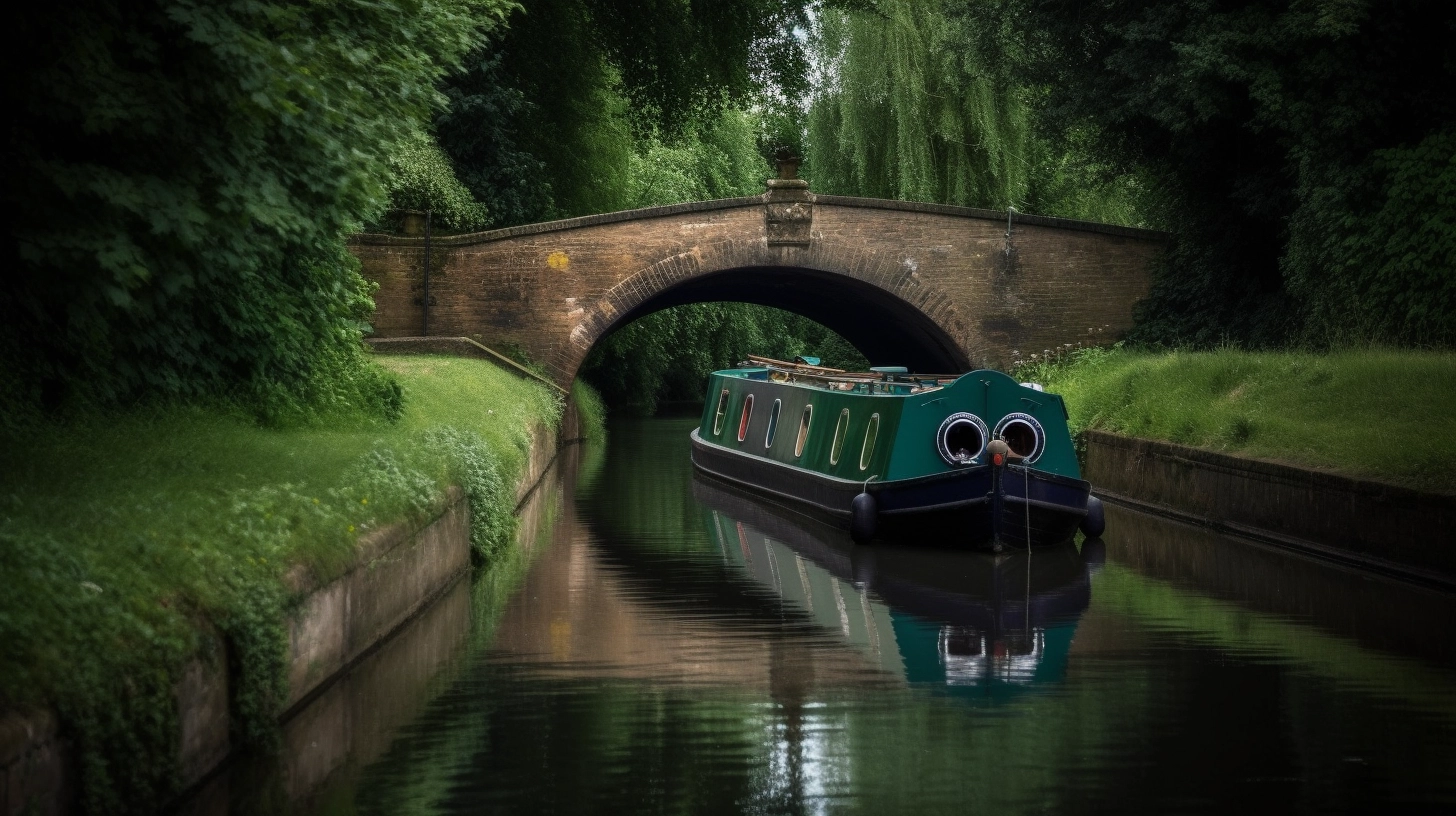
pixel 917 449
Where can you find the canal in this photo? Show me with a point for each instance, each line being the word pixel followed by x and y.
pixel 660 644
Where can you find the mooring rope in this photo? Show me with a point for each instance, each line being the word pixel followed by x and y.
pixel 1026 494
pixel 1026 490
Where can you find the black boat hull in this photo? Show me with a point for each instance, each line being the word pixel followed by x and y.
pixel 978 506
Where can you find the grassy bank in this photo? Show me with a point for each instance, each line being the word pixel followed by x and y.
pixel 1378 414
pixel 120 534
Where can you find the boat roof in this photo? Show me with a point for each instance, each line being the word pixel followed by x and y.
pixel 803 372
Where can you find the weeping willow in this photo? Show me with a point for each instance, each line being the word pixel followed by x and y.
pixel 903 107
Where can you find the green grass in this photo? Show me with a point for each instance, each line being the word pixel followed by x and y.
pixel 1386 415
pixel 591 412
pixel 119 534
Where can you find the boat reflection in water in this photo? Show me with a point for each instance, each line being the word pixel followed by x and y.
pixel 970 624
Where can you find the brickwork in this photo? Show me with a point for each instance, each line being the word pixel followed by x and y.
pixel 924 285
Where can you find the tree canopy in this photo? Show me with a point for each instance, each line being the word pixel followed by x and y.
pixel 180 179
pixel 1303 154
pixel 923 101
pixel 182 174
pixel 549 116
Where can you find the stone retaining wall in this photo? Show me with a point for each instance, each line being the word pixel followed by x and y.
pixel 399 571
pixel 1387 527
pixel 35 771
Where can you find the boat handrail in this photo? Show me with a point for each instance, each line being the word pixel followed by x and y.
pixel 804 369
pixel 798 371
pixel 772 363
pixel 920 384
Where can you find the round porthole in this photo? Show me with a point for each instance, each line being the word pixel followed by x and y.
pixel 1023 434
pixel 961 439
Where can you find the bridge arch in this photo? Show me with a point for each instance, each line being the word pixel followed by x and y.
pixel 876 300
pixel 923 285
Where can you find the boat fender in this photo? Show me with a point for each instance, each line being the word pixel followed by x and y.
pixel 863 516
pixel 1094 523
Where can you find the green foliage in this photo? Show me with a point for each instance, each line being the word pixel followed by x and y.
pixel 906 110
pixel 1373 253
pixel 1301 153
pixel 920 102
pixel 536 135
pixel 719 159
pixel 591 412
pixel 667 355
pixel 679 60
pixel 179 178
pixel 1379 413
pixel 479 132
pixel 576 122
pixel 424 180
pixel 120 534
pixel 475 467
pixel 254 622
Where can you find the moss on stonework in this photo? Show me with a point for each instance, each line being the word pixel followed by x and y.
pixel 123 535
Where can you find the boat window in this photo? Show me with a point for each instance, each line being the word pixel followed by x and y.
pixel 961 438
pixel 743 421
pixel 803 430
pixel 773 423
pixel 1023 434
pixel 722 409
pixel 841 429
pixel 869 444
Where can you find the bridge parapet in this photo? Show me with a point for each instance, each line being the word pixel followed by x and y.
pixel 925 285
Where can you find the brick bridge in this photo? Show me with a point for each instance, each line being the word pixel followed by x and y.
pixel 933 287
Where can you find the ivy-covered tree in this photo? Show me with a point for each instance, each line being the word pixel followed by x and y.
pixel 180 176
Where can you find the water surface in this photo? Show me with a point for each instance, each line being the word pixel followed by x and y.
pixel 663 644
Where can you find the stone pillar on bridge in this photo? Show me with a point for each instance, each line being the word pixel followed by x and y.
pixel 788 205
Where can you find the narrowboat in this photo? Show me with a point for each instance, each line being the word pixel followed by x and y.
pixel 975 460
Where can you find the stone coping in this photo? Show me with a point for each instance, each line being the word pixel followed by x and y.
pixel 473 238
pixel 1275 471
pixel 993 215
pixel 373 545
pixel 1376 526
